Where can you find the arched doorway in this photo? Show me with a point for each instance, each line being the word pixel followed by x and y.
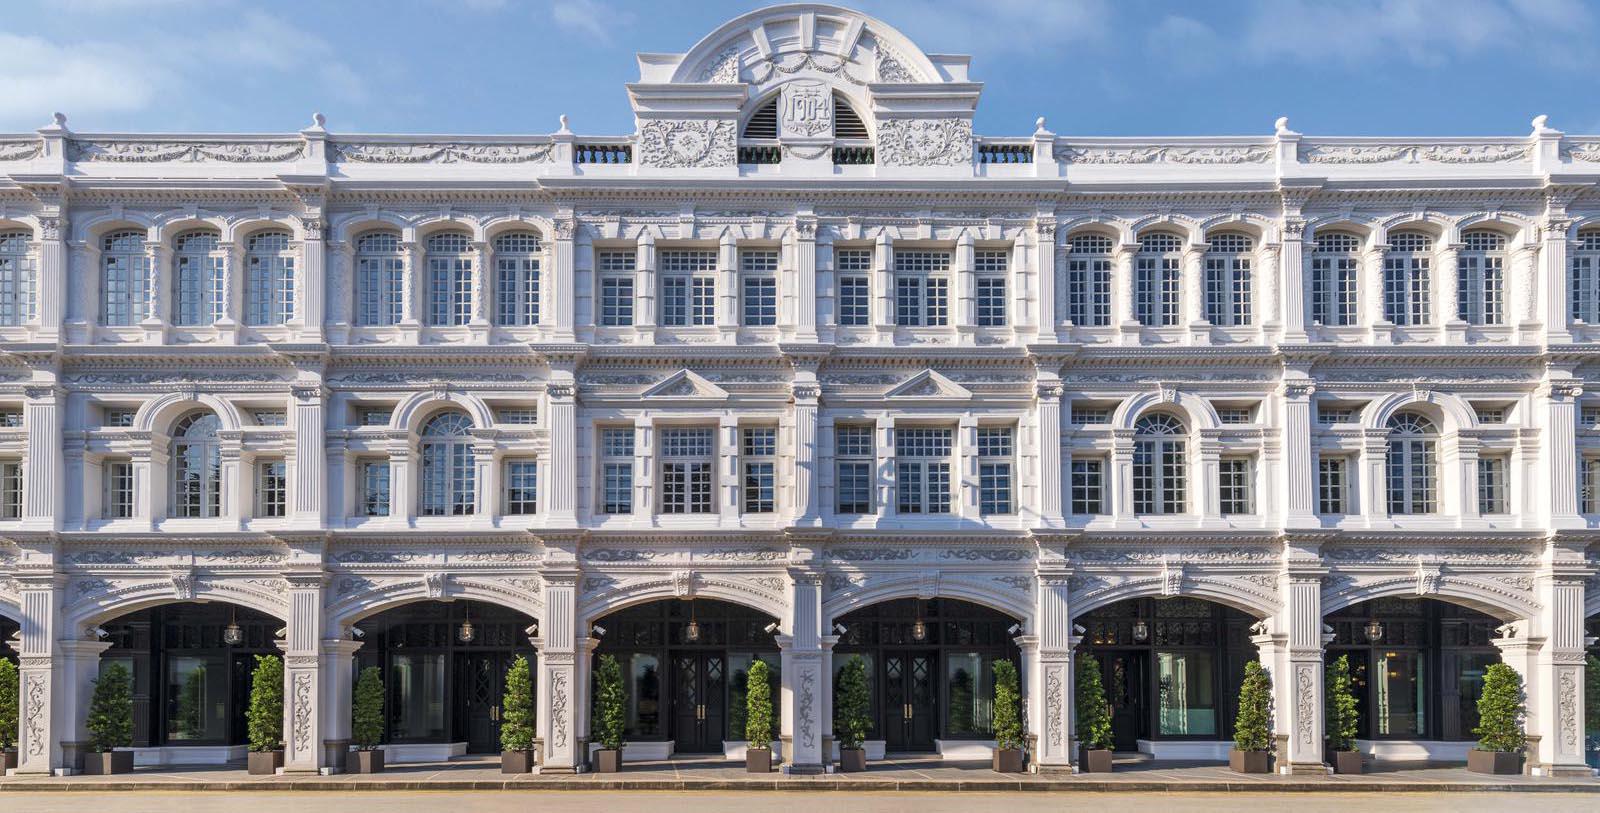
pixel 444 667
pixel 1171 668
pixel 930 669
pixel 684 670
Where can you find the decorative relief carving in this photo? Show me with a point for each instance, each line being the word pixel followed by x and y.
pixel 36 713
pixel 1567 708
pixel 558 708
pixel 302 713
pixel 1576 151
pixel 1305 700
pixel 688 143
pixel 987 554
pixel 499 556
pixel 808 702
pixel 1413 153
pixel 377 557
pixel 245 152
pixel 183 584
pixel 621 554
pixel 1163 155
pixel 434 584
pixel 1144 554
pixel 724 68
pixel 924 142
pixel 1023 583
pixel 797 61
pixel 1474 555
pixel 742 554
pixel 20 150
pixel 874 554
pixel 890 69
pixel 1053 701
pixel 377 153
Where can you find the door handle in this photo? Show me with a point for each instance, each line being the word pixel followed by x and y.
pixel 908 711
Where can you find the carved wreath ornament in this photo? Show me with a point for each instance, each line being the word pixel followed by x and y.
pixel 687 143
pixel 925 142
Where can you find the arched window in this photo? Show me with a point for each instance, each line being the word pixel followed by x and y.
pixel 1335 269
pixel 1406 282
pixel 196 466
pixel 1585 278
pixel 1089 280
pixel 1228 279
pixel 1411 467
pixel 449 481
pixel 1158 281
pixel 16 278
pixel 449 279
pixel 1160 453
pixel 516 265
pixel 124 273
pixel 380 271
pixel 197 292
pixel 269 279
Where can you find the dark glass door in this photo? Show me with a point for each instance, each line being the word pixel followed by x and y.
pixel 699 701
pixel 910 694
pixel 479 689
pixel 1123 674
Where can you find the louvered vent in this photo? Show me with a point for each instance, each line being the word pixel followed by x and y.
pixel 764 122
pixel 846 124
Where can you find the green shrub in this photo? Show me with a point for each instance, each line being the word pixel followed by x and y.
pixel 1007 698
pixel 110 721
pixel 758 706
pixel 264 720
pixel 610 703
pixel 1591 694
pixel 1089 701
pixel 1500 710
pixel 1252 729
pixel 517 730
pixel 8 704
pixel 1342 717
pixel 852 704
pixel 366 713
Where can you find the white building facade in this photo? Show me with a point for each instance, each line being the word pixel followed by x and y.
pixel 804 351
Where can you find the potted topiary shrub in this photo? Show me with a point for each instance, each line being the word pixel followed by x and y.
pixel 8 715
pixel 110 722
pixel 1591 706
pixel 1094 718
pixel 264 720
pixel 852 710
pixel 610 723
pixel 758 719
pixel 1500 715
pixel 516 720
pixel 1252 729
pixel 1341 716
pixel 366 721
pixel 1007 720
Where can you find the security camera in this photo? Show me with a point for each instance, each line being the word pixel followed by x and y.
pixel 1014 629
pixel 357 633
pixel 771 628
pixel 532 629
pixel 98 633
pixel 280 633
pixel 598 631
pixel 839 628
pixel 1077 629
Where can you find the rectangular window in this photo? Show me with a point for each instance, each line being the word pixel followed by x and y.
pixel 1589 417
pixel 10 490
pixel 117 501
pixel 270 417
pixel 1492 485
pixel 16 281
pixel 1236 415
pixel 1480 289
pixel 616 470
pixel 118 417
pixel 449 289
pixel 1227 281
pixel 1333 486
pixel 853 269
pixel 688 288
pixel 922 288
pixel 269 289
pixel 1090 416
pixel 758 272
pixel 10 419
pixel 517 416
pixel 522 487
pixel 374 417
pixel 615 307
pixel 1330 415
pixel 759 453
pixel 1491 414
pixel 853 452
pixel 1589 485
pixel 1333 290
pixel 1405 289
pixel 1088 485
pixel 272 488
pixel 922 470
pixel 123 293
pixel 1235 481
pixel 996 472
pixel 378 285
pixel 374 488
pixel 990 268
pixel 1089 291
pixel 1584 282
pixel 687 455
pixel 1158 281
pixel 517 289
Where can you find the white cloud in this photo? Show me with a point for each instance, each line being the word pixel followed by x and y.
pixel 591 18
pixel 82 78
pixel 996 26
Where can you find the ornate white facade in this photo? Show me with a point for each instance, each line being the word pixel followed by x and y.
pixel 1280 298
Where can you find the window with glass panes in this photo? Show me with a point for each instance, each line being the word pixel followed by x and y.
pixel 996 471
pixel 758 281
pixel 758 459
pixel 124 273
pixel 1235 485
pixel 1335 278
pixel 268 278
pixel 380 271
pixel 117 494
pixel 516 278
pixel 921 288
pixel 449 279
pixel 853 275
pixel 688 288
pixel 374 488
pixel 196 464
pixel 1584 278
pixel 1406 278
pixel 1333 485
pixel 1410 465
pixel 922 469
pixel 522 487
pixel 1089 280
pixel 687 456
pixel 853 453
pixel 11 418
pixel 989 268
pixel 616 470
pixel 1088 485
pixel 1160 454
pixel 197 279
pixel 1227 279
pixel 17 277
pixel 1492 485
pixel 1481 278
pixel 615 295
pixel 1589 485
pixel 1158 280
pixel 10 490
pixel 272 488
pixel 449 473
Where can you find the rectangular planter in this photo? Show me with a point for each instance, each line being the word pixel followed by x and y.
pixel 517 761
pixel 1250 761
pixel 1347 762
pixel 8 761
pixel 1094 760
pixel 106 763
pixel 758 760
pixel 369 761
pixel 608 760
pixel 852 760
pixel 1008 760
pixel 264 763
pixel 1494 762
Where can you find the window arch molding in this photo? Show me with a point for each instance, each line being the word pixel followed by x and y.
pixel 162 413
pixel 1162 485
pixel 417 408
pixel 1449 412
pixel 1195 412
pixel 447 467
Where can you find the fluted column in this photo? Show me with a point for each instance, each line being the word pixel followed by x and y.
pixel 46 702
pixel 1560 663
pixel 1044 264
pixel 1558 400
pixel 1382 330
pixel 807 478
pixel 310 457
pixel 561 504
pixel 340 292
pixel 1194 294
pixel 562 672
pixel 1553 291
pixel 51 277
pixel 1127 319
pixel 1048 415
pixel 303 672
pixel 805 279
pixel 1446 294
pixel 1299 464
pixel 806 676
pixel 1051 679
pixel 563 280
pixel 1298 683
pixel 311 292
pixel 42 504
pixel 1292 276
pixel 336 677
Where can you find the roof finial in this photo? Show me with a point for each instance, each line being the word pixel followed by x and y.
pixel 318 120
pixel 1038 126
pixel 1540 123
pixel 60 119
pixel 564 129
pixel 1281 126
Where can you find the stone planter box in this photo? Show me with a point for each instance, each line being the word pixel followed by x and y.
pixel 1008 760
pixel 758 760
pixel 1250 761
pixel 852 760
pixel 608 760
pixel 517 761
pixel 1494 762
pixel 369 761
pixel 106 763
pixel 264 763
pixel 1347 762
pixel 8 761
pixel 1094 760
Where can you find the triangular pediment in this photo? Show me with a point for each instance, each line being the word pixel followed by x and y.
pixel 686 385
pixel 929 384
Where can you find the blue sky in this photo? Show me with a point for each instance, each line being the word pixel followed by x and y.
pixel 1093 67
